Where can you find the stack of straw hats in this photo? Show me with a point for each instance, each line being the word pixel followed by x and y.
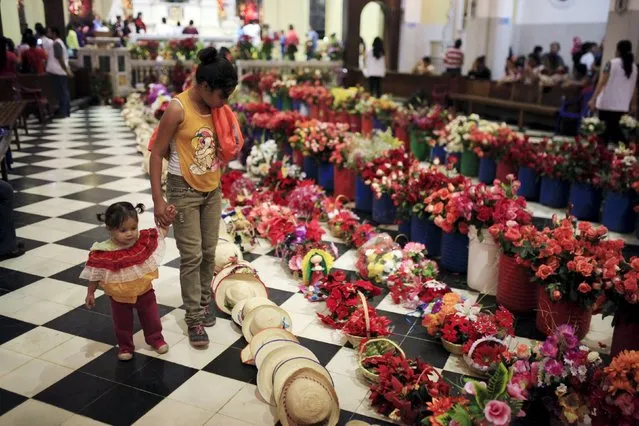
pixel 226 251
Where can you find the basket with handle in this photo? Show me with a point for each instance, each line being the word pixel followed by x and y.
pixel 362 357
pixel 483 370
pixel 357 340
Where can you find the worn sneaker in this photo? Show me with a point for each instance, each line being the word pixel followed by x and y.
pixel 161 348
pixel 198 336
pixel 125 356
pixel 209 317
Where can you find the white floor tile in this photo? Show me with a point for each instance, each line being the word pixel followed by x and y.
pixel 170 338
pixel 32 412
pixel 61 253
pixel 347 261
pixel 123 160
pixel 78 420
pixel 222 420
pixel 167 287
pixel 299 304
pixel 247 406
pixel 118 150
pixel 274 274
pixel 12 302
pixel 135 198
pixel 39 233
pixel 37 341
pixel 62 145
pixel 54 207
pixel 41 312
pixel 75 352
pixel 351 390
pixel 61 163
pixel 10 360
pixel 345 362
pixel 33 377
pixel 183 353
pixel 169 412
pixel 174 322
pixel 131 184
pixel 207 391
pixel 57 189
pixel 58 175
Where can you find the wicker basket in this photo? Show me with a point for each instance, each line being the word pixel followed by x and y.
pixel 482 370
pixel 362 357
pixel 453 348
pixel 357 340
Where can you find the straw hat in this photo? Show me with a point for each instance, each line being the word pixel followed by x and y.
pixel 264 317
pixel 268 347
pixel 357 423
pixel 226 253
pixel 261 338
pixel 242 308
pixel 272 360
pixel 234 283
pixel 308 398
pixel 287 368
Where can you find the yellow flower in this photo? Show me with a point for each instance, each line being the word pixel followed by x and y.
pixel 375 269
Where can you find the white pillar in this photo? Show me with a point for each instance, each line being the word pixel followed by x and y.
pixel 209 18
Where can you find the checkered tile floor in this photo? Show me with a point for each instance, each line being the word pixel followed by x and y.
pixel 57 359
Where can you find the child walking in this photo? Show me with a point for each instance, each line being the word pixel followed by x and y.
pixel 125 266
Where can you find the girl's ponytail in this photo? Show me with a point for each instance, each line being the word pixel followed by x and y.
pixel 624 47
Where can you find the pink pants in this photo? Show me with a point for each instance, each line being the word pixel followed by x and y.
pixel 149 315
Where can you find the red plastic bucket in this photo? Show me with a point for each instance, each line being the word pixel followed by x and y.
pixel 551 314
pixel 514 289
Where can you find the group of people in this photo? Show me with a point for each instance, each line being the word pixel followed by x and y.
pixel 123 28
pixel 40 52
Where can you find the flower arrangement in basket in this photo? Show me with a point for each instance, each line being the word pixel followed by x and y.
pixel 484 354
pixel 362 234
pixel 342 297
pixel 272 221
pixel 565 373
pixel 428 123
pixel 616 395
pixel 456 134
pixel 384 108
pixel 495 403
pixel 379 258
pixel 576 262
pixel 407 284
pixel 629 127
pixel 295 245
pixel 406 389
pixel 317 139
pixel 388 172
pixel 305 199
pixel 258 162
pixel 371 356
pixel 438 310
pixel 419 295
pixel 331 205
pixel 342 223
pixel 591 127
pixel 624 169
pixel 365 323
pixel 241 191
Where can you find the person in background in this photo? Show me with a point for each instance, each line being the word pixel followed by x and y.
pixel 580 78
pixel 23 46
pixel 190 29
pixel 362 56
pixel 226 54
pixel 8 59
pixel 139 24
pixel 588 56
pixel 253 31
pixel 291 37
pixel 59 70
pixel 163 28
pixel 616 92
pixel 537 51
pixel 532 70
pixel 479 70
pixel 552 61
pixel 454 59
pixel 178 28
pixel 40 30
pixel 577 50
pixel 130 24
pixel 118 27
pixel 376 67
pixel 424 67
pixel 282 40
pixel 513 72
pixel 34 59
pixel 10 247
pixel 72 39
pixel 97 22
pixel 313 38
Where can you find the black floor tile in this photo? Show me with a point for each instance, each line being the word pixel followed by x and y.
pixel 85 240
pixel 161 377
pixel 249 257
pixel 107 366
pixel 26 183
pixel 323 351
pixel 227 364
pixel 9 400
pixel 525 327
pixel 91 156
pixel 95 195
pixel 94 179
pixel 71 275
pixel 279 296
pixel 541 222
pixel 419 332
pixel 33 158
pixel 11 328
pixel 122 405
pixel 21 219
pixel 430 352
pixel 88 215
pixel 489 303
pixel 31 244
pixel 12 280
pixel 37 149
pixel 175 263
pixel 21 199
pixel 87 324
pixel 92 167
pixel 401 324
pixel 75 391
pixel 456 381
pixel 453 280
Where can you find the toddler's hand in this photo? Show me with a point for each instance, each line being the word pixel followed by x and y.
pixel 171 211
pixel 90 300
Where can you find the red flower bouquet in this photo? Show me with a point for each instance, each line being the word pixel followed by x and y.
pixel 342 298
pixel 282 178
pixel 342 223
pixel 429 123
pixel 356 325
pixel 624 170
pixel 587 161
pixel 317 139
pixel 449 209
pixel 389 172
pixel 362 234
pixel 523 242
pixel 305 199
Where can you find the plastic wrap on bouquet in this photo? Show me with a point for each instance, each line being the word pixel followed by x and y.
pixel 363 196
pixel 551 314
pixel 487 170
pixel 384 210
pixel 514 289
pixel 618 214
pixel 325 176
pixel 454 252
pixel 483 262
pixel 585 200
pixel 423 230
pixel 530 183
pixel 554 192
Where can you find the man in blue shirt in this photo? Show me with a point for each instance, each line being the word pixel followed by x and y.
pixel 313 38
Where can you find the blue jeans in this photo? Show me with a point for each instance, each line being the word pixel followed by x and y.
pixel 7 227
pixel 61 90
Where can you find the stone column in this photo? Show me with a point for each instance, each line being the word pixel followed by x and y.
pixel 623 24
pixel 209 18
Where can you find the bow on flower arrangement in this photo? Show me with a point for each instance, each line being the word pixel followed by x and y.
pixel 317 139
pixel 407 389
pixel 342 297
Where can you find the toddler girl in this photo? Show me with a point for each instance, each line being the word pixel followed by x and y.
pixel 125 266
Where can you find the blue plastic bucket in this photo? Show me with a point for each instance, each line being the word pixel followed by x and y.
pixel 363 196
pixel 439 152
pixel 287 149
pixel 379 125
pixel 297 105
pixel 487 170
pixel 554 192
pixel 325 176
pixel 277 102
pixel 454 252
pixel 310 168
pixel 618 213
pixel 384 210
pixel 423 230
pixel 585 200
pixel 405 228
pixel 530 183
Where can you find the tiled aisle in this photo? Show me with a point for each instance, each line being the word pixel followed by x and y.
pixel 57 359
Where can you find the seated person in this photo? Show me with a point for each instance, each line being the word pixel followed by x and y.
pixel 546 79
pixel 10 247
pixel 479 70
pixel 532 70
pixel 424 67
pixel 513 70
pixel 34 59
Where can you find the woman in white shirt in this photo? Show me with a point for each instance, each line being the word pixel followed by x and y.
pixel 616 92
pixel 376 67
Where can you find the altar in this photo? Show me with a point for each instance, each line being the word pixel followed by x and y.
pixel 212 18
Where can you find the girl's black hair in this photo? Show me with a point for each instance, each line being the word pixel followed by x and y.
pixel 117 213
pixel 378 48
pixel 216 71
pixel 624 47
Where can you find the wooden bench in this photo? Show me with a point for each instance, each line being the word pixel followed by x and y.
pixel 10 115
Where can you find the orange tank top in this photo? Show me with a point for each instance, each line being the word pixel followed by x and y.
pixel 197 147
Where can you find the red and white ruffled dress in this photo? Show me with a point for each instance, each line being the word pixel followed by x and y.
pixel 126 273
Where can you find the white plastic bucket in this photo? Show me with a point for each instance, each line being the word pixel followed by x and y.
pixel 483 262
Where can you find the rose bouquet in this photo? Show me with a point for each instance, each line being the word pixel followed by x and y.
pixel 624 169
pixel 591 126
pixel 450 208
pixel 421 183
pixel 587 161
pixel 428 123
pixel 305 199
pixel 523 242
pixel 616 398
pixel 342 297
pixel 317 139
pixel 407 284
pixel 493 140
pixel 227 181
pixel 456 134
pixel 379 258
pixel 267 80
pixel 552 158
pixel 406 389
pixel 388 172
pixel 272 221
pixel 629 127
pixel 342 223
pixel 282 124
pixel 241 191
pixel 282 178
pixel 361 234
pixel 259 161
